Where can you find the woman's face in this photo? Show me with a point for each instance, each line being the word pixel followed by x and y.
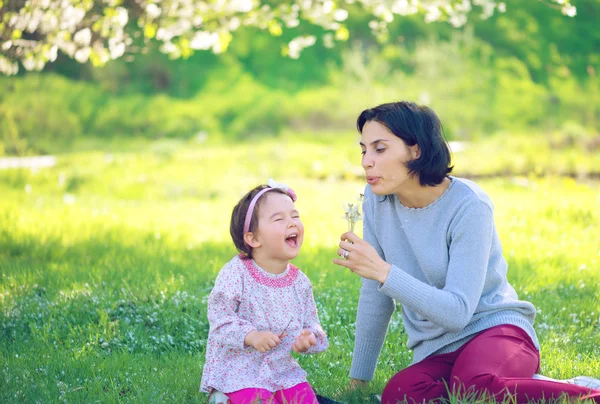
pixel 384 159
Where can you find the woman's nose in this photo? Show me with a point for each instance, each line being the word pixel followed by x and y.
pixel 367 162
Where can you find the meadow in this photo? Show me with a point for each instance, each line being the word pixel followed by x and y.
pixel 107 259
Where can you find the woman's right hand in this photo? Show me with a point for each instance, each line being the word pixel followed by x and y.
pixel 361 258
pixel 262 341
pixel 357 384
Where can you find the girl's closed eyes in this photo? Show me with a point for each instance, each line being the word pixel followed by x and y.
pixel 280 218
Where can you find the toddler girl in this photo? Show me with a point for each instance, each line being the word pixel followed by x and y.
pixel 262 307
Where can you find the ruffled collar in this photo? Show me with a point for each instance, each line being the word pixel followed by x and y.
pixel 263 277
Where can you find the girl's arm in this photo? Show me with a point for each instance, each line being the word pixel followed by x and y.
pixel 225 325
pixel 311 321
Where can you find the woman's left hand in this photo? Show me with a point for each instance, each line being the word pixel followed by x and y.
pixel 361 258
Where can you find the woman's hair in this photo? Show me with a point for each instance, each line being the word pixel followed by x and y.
pixel 238 217
pixel 415 124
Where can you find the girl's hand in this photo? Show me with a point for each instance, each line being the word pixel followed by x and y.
pixel 262 341
pixel 361 258
pixel 304 341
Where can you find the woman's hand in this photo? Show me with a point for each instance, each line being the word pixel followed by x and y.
pixel 262 341
pixel 357 384
pixel 304 341
pixel 361 258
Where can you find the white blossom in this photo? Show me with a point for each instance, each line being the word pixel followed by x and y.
pixel 340 15
pixel 204 40
pixel 297 44
pixel 87 30
pixel 569 10
pixel 82 55
pixel 83 37
pixel 153 11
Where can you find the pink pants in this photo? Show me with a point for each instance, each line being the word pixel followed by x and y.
pixel 299 394
pixel 499 360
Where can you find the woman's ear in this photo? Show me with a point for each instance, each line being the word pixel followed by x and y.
pixel 251 240
pixel 415 151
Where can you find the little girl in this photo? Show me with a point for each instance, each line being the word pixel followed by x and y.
pixel 262 307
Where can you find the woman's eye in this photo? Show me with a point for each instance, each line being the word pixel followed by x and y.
pixel 380 150
pixel 363 152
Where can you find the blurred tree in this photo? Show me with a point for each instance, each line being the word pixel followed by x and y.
pixel 33 32
pixel 544 43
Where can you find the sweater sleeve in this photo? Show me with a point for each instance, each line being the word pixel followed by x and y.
pixel 374 309
pixel 223 302
pixel 470 240
pixel 311 321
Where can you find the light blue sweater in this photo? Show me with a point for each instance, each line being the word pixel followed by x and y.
pixel 448 273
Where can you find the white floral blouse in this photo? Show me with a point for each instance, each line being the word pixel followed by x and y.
pixel 246 298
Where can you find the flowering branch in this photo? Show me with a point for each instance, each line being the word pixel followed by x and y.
pixel 32 32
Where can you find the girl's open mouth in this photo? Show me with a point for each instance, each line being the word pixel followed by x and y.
pixel 292 240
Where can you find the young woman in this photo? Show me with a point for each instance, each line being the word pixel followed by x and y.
pixel 430 244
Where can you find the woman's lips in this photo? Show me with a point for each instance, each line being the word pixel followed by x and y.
pixel 372 180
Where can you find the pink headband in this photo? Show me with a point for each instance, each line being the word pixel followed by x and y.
pixel 271 186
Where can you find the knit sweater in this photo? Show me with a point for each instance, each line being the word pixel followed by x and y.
pixel 448 274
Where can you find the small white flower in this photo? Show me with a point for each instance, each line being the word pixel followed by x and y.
pixel 153 11
pixel 340 15
pixel 352 212
pixel 83 37
pixel 69 199
pixel 569 10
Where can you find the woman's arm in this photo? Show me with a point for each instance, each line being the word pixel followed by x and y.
pixel 471 234
pixel 374 311
pixel 372 319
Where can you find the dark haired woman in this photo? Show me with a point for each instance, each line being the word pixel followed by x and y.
pixel 430 244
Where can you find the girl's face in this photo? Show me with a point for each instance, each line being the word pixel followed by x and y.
pixel 384 158
pixel 280 230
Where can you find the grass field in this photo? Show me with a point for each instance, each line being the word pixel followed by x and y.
pixel 106 261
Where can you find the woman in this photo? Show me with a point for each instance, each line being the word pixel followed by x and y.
pixel 431 245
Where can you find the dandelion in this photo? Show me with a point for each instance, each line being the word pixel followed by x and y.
pixel 352 211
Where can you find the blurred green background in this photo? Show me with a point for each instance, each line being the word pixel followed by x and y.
pixel 530 70
pixel 108 255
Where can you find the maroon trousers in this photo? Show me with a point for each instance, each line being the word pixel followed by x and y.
pixel 501 360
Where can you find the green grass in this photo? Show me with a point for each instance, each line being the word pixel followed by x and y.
pixel 106 261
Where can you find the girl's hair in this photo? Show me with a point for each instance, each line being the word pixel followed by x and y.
pixel 238 216
pixel 415 124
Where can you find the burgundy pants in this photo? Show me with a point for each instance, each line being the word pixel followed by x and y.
pixel 497 361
